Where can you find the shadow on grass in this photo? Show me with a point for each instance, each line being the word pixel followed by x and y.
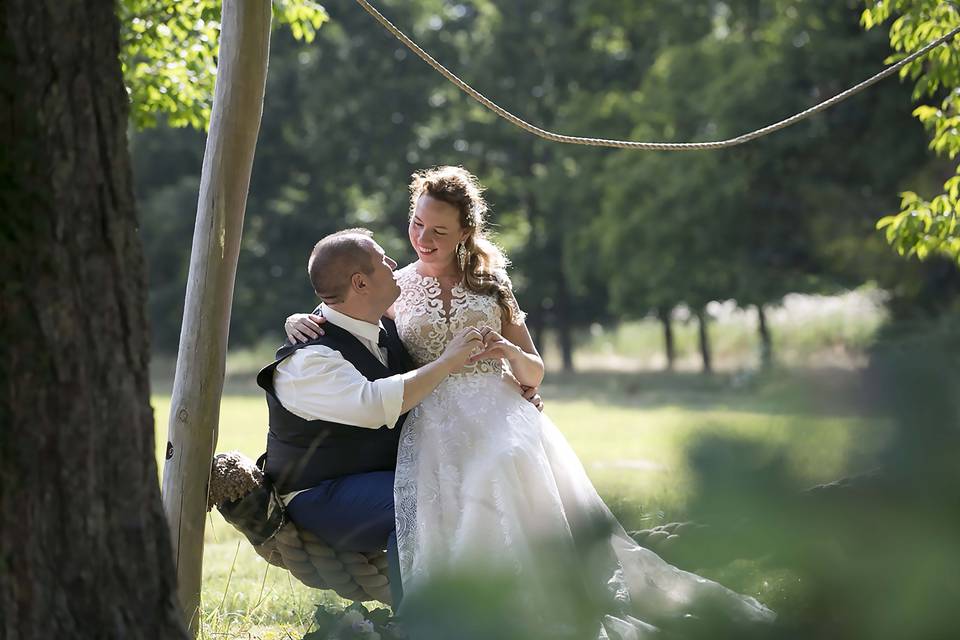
pixel 827 391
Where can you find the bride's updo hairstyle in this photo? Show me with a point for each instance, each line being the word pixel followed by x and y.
pixel 483 264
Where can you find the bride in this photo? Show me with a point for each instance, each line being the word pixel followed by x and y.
pixel 485 482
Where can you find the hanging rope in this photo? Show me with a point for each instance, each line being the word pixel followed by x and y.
pixel 238 490
pixel 648 146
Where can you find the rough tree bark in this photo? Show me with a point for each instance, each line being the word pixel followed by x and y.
pixel 84 545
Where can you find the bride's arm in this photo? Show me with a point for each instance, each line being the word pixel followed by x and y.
pixel 303 327
pixel 516 346
pixel 527 365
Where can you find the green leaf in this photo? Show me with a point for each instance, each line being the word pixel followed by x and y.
pixel 169 55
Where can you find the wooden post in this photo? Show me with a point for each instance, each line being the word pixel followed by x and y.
pixel 195 405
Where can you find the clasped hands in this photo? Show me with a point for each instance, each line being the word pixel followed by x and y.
pixel 490 346
pixel 301 327
pixel 493 346
pixel 483 343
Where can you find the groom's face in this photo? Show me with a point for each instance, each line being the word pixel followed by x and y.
pixel 383 286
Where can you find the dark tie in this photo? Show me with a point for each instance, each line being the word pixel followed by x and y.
pixel 383 343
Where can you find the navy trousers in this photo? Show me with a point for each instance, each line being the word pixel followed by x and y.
pixel 353 513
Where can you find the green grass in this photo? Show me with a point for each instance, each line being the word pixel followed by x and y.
pixel 630 431
pixel 243 596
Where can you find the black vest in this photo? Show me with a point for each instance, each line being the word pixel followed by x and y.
pixel 302 453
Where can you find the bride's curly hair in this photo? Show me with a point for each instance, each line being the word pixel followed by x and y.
pixel 483 264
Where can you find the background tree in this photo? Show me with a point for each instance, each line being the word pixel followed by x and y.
pixel 756 222
pixel 169 50
pixel 563 67
pixel 84 546
pixel 926 226
pixel 316 170
pixel 588 229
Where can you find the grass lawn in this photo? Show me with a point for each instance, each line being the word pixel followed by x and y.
pixel 630 431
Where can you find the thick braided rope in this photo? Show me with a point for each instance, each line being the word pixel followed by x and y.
pixel 354 576
pixel 648 146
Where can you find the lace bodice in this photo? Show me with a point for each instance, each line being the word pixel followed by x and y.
pixel 426 327
pixel 483 480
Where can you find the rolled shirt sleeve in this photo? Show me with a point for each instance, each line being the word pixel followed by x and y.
pixel 316 383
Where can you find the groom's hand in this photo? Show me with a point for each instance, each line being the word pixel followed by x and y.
pixel 495 347
pixel 458 350
pixel 302 327
pixel 532 394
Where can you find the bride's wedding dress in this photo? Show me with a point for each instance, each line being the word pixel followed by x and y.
pixel 486 482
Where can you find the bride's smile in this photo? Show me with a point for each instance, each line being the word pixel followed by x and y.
pixel 435 231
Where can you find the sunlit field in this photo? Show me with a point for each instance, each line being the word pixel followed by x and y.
pixel 630 431
pixel 807 330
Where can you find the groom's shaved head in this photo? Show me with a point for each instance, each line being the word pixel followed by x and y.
pixel 336 258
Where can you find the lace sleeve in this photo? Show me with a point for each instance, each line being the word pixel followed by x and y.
pixel 510 299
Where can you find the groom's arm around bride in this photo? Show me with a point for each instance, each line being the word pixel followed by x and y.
pixel 336 403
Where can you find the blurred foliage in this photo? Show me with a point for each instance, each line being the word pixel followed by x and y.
pixel 755 222
pixel 169 54
pixel 926 226
pixel 596 236
pixel 869 557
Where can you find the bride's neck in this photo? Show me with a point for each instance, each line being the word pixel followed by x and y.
pixel 449 270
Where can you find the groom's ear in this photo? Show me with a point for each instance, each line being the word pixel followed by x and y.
pixel 358 282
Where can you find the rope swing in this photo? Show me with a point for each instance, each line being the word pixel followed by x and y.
pixel 239 491
pixel 233 484
pixel 647 146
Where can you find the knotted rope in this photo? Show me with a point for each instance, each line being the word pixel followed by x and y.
pixel 648 146
pixel 238 491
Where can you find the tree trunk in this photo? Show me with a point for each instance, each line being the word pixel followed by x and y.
pixel 565 334
pixel 668 343
pixel 705 353
pixel 564 323
pixel 535 325
pixel 562 304
pixel 766 342
pixel 84 545
pixel 198 384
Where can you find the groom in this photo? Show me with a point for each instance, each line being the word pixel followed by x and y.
pixel 337 402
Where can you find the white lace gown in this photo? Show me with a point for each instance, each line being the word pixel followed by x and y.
pixel 485 481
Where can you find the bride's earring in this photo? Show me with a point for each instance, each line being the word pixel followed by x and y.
pixel 462 256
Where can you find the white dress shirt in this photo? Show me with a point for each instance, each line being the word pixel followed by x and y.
pixel 317 383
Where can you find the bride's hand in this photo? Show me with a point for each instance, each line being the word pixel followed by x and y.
pixel 458 350
pixel 495 347
pixel 302 327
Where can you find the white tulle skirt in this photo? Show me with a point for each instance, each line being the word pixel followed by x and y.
pixel 487 485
